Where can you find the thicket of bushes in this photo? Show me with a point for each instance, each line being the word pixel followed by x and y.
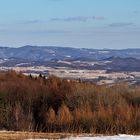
pixel 56 105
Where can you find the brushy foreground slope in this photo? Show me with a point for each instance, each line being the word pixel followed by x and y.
pixel 56 105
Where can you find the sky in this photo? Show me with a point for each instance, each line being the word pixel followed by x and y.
pixel 99 24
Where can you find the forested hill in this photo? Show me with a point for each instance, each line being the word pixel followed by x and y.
pixel 65 53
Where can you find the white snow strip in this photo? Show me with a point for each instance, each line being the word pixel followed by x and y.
pixel 102 52
pixel 120 137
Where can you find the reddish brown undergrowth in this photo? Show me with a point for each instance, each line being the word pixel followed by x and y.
pixel 56 105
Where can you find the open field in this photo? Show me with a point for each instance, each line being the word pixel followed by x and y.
pixel 98 76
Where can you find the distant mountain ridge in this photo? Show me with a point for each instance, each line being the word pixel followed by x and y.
pixel 46 53
pixel 73 58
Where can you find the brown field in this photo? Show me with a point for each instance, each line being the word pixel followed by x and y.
pixel 17 135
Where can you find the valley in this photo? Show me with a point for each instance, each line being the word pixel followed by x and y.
pixel 97 66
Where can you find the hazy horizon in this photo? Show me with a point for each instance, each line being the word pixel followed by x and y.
pixel 97 24
pixel 66 47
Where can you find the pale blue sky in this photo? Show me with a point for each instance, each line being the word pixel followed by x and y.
pixel 72 23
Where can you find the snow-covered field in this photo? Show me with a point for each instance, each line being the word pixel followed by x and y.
pixel 117 137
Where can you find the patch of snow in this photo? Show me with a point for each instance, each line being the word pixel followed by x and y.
pixel 119 137
pixel 50 51
pixel 5 59
pixel 106 62
pixel 68 56
pixel 102 52
pixel 20 64
pixel 66 62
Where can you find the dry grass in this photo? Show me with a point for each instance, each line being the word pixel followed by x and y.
pixel 17 135
pixel 11 135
